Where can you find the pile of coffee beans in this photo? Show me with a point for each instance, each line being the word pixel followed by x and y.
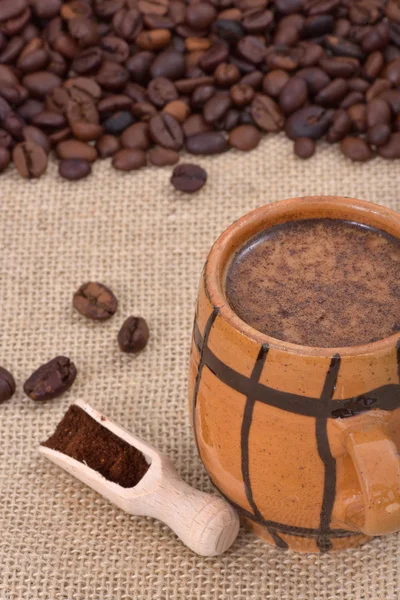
pixel 95 301
pixel 139 80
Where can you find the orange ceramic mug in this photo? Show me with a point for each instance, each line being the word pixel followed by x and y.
pixel 302 441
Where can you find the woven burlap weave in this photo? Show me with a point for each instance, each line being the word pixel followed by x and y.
pixel 58 539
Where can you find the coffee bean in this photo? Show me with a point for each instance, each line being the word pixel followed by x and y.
pixel 112 76
pixel 195 124
pixel 216 107
pixel 118 122
pixel 86 132
pixel 342 47
pixel 133 335
pixel 166 131
pixel 200 16
pixel 378 87
pixel 168 64
pixel 107 146
pixel 378 112
pixel 49 120
pixel 74 169
pixel 379 134
pixel 373 66
pixel 161 157
pixel 137 137
pixel 177 109
pixel 139 66
pixel 392 97
pixel 41 83
pixel 310 121
pixel 11 8
pixel 5 158
pixel 155 39
pixel 356 149
pixel 266 113
pixel 144 110
pixel 129 160
pixel 281 57
pixel 226 75
pixel 351 99
pixel 87 61
pixel 206 143
pixel 340 66
pixel 51 379
pixel 115 103
pixel 241 94
pixel 315 78
pixel 34 134
pixel 76 149
pixel 188 178
pixel 6 141
pixel 154 7
pixel 274 82
pixel 304 147
pixel 251 49
pixel 161 91
pixel 293 95
pixel 30 159
pixel 217 54
pixel 7 383
pixel 333 93
pixel 258 22
pixel 392 148
pixel 245 137
pixel 341 126
pixel 95 301
pixel 358 115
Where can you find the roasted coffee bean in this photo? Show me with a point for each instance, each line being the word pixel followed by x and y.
pixel 161 157
pixel 127 24
pixel 342 47
pixel 74 169
pixel 133 335
pixel 280 57
pixel 341 126
pixel 6 141
pixel 34 134
pixel 49 120
pixel 144 110
pixel 217 54
pixel 266 113
pixel 195 124
pixel 201 95
pixel 115 103
pixel 318 25
pixel 226 75
pixel 245 137
pixel 392 72
pixel 139 66
pixel 39 84
pixel 304 147
pixel 293 95
pixel 87 61
pixel 340 66
pixel 12 8
pixel 118 122
pixel 188 178
pixel 137 137
pixel 46 9
pixel 129 160
pixel 333 93
pixel 161 91
pixel 136 92
pixel 5 158
pixel 166 131
pixel 356 84
pixel 358 115
pixel 310 121
pixel 392 97
pixel 351 99
pixel 315 78
pixel 373 66
pixel 274 82
pixel 177 109
pixel 216 107
pixel 107 146
pixel 392 148
pixel 356 149
pixel 95 301
pixel 168 64
pixel 228 30
pixel 76 149
pixel 153 7
pixel 30 159
pixel 86 132
pixel 155 39
pixel 51 379
pixel 207 143
pixel 251 49
pixel 112 76
pixel 7 382
pixel 241 94
pixel 59 136
pixel 379 134
pixel 378 112
pixel 258 22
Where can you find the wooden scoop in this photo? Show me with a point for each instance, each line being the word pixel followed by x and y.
pixel 207 524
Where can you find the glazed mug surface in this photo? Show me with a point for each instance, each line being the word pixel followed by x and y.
pixel 303 441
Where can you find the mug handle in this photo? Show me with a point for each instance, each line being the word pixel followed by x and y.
pixel 377 464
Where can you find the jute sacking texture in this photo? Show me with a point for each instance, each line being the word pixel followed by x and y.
pixel 58 539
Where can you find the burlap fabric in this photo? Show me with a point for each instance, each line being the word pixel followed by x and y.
pixel 58 539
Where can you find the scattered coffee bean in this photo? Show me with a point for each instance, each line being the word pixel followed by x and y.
pixel 304 147
pixel 379 134
pixel 76 149
pixel 129 160
pixel 7 385
pixel 107 146
pixel 133 335
pixel 51 379
pixel 166 131
pixel 74 169
pixel 245 137
pixel 392 148
pixel 207 143
pixel 5 158
pixel 161 157
pixel 188 178
pixel 95 301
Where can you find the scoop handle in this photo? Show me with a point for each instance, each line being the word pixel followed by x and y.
pixel 207 524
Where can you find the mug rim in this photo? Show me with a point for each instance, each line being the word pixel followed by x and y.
pixel 243 229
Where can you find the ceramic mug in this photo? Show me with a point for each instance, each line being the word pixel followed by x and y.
pixel 303 441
